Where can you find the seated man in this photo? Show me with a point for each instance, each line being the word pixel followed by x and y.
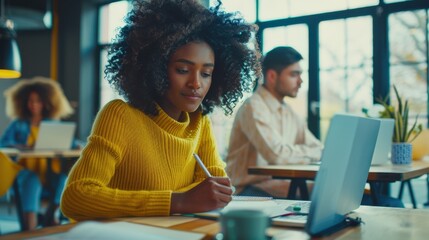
pixel 267 131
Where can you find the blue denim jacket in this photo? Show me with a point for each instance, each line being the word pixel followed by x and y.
pixel 16 133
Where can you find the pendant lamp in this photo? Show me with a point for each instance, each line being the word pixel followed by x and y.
pixel 10 59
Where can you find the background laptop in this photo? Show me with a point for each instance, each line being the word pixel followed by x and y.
pixel 343 172
pixel 384 142
pixel 55 135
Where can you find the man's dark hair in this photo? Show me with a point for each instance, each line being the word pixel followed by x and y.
pixel 279 58
pixel 155 29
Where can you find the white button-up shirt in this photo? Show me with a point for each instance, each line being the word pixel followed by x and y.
pixel 268 132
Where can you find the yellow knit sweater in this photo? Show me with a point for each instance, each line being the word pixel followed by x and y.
pixel 133 162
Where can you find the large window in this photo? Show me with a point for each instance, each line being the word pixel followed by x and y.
pixel 354 51
pixel 111 18
pixel 245 8
pixel 408 35
pixel 345 48
pixel 278 9
pixel 350 68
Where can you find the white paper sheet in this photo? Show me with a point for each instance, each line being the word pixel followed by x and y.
pixel 269 207
pixel 122 230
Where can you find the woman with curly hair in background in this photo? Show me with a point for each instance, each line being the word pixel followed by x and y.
pixel 173 62
pixel 29 102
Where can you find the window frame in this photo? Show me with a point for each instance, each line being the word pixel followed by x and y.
pixel 381 66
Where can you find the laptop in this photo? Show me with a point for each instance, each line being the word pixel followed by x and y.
pixel 340 181
pixel 55 135
pixel 384 142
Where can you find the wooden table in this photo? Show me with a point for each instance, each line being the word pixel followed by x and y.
pixel 36 154
pixel 379 223
pixel 377 174
pixel 13 152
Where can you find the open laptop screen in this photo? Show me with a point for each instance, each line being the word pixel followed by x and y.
pixel 55 135
pixel 384 141
pixel 341 179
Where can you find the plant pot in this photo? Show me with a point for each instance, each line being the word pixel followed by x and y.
pixel 401 153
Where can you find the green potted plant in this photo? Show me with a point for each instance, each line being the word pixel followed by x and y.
pixel 403 132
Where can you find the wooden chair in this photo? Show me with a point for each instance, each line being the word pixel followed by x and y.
pixel 8 172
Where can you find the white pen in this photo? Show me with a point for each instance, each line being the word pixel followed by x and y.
pixel 202 165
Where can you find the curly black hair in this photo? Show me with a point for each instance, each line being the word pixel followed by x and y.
pixel 55 103
pixel 155 29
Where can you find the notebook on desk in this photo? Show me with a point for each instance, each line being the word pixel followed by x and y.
pixel 341 179
pixel 266 204
pixel 55 135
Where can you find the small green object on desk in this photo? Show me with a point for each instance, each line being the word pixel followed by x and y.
pixel 296 208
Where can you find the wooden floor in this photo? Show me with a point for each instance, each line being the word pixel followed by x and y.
pixel 9 222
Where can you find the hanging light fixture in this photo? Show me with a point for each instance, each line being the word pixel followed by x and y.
pixel 10 59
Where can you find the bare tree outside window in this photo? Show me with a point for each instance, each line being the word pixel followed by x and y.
pixel 408 59
pixel 345 67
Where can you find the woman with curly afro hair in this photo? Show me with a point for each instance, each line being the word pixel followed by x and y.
pixel 173 62
pixel 28 103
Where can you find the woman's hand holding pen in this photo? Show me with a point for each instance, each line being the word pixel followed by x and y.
pixel 210 194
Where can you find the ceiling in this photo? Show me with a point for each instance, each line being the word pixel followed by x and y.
pixel 34 14
pixel 29 14
pixel 37 5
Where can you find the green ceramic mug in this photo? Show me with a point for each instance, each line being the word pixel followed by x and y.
pixel 244 224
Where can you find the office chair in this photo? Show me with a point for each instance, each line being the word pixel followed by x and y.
pixel 8 172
